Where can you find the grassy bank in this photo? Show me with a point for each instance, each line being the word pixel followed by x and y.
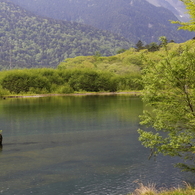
pixel 151 190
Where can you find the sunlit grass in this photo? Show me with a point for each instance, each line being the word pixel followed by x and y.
pixel 150 189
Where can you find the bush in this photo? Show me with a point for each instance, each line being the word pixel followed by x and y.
pixel 39 81
pixel 3 92
pixel 90 80
pixel 16 82
pixel 105 82
pixel 129 82
pixel 20 81
pixel 65 89
pixel 52 75
pixel 83 80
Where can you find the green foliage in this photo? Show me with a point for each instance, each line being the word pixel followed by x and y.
pixel 41 81
pixel 106 82
pixel 90 80
pixel 121 51
pixel 152 47
pixel 164 41
pixel 129 82
pixel 125 67
pixel 21 81
pixel 65 89
pixel 124 63
pixel 88 73
pixel 169 91
pixel 139 45
pixel 3 92
pixel 86 81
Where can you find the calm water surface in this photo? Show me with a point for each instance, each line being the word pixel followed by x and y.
pixel 84 145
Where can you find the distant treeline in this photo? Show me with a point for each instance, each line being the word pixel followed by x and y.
pixel 44 81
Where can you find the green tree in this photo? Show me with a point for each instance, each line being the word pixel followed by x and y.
pixel 121 51
pixel 169 91
pixel 170 94
pixel 152 47
pixel 22 81
pixel 139 45
pixel 164 42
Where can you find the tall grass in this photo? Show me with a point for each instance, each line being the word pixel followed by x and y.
pixel 150 189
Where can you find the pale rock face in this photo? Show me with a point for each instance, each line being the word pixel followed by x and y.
pixel 176 6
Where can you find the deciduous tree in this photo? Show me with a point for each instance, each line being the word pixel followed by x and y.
pixel 169 91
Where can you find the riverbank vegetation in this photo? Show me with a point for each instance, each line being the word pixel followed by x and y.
pixel 151 190
pixel 45 81
pixel 122 72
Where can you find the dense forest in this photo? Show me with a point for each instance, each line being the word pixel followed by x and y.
pixel 27 40
pixel 121 72
pixel 134 20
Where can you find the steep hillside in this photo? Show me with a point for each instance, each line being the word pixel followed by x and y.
pixel 27 40
pixel 133 19
pixel 175 6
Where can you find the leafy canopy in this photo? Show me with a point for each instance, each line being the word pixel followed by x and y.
pixel 169 91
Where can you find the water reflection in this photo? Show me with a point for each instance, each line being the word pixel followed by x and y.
pixel 77 145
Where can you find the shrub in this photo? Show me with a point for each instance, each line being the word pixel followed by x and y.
pixel 104 82
pixel 3 92
pixel 16 82
pixel 129 82
pixel 20 81
pixel 83 80
pixel 65 89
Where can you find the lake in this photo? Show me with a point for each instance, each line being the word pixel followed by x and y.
pixel 85 145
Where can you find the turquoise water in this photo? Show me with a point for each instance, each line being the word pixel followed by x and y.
pixel 86 145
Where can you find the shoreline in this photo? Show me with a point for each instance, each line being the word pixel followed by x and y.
pixel 74 94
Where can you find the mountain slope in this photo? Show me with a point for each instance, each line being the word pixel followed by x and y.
pixel 133 19
pixel 175 6
pixel 28 40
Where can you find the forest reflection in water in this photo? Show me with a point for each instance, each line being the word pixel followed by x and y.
pixel 77 145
